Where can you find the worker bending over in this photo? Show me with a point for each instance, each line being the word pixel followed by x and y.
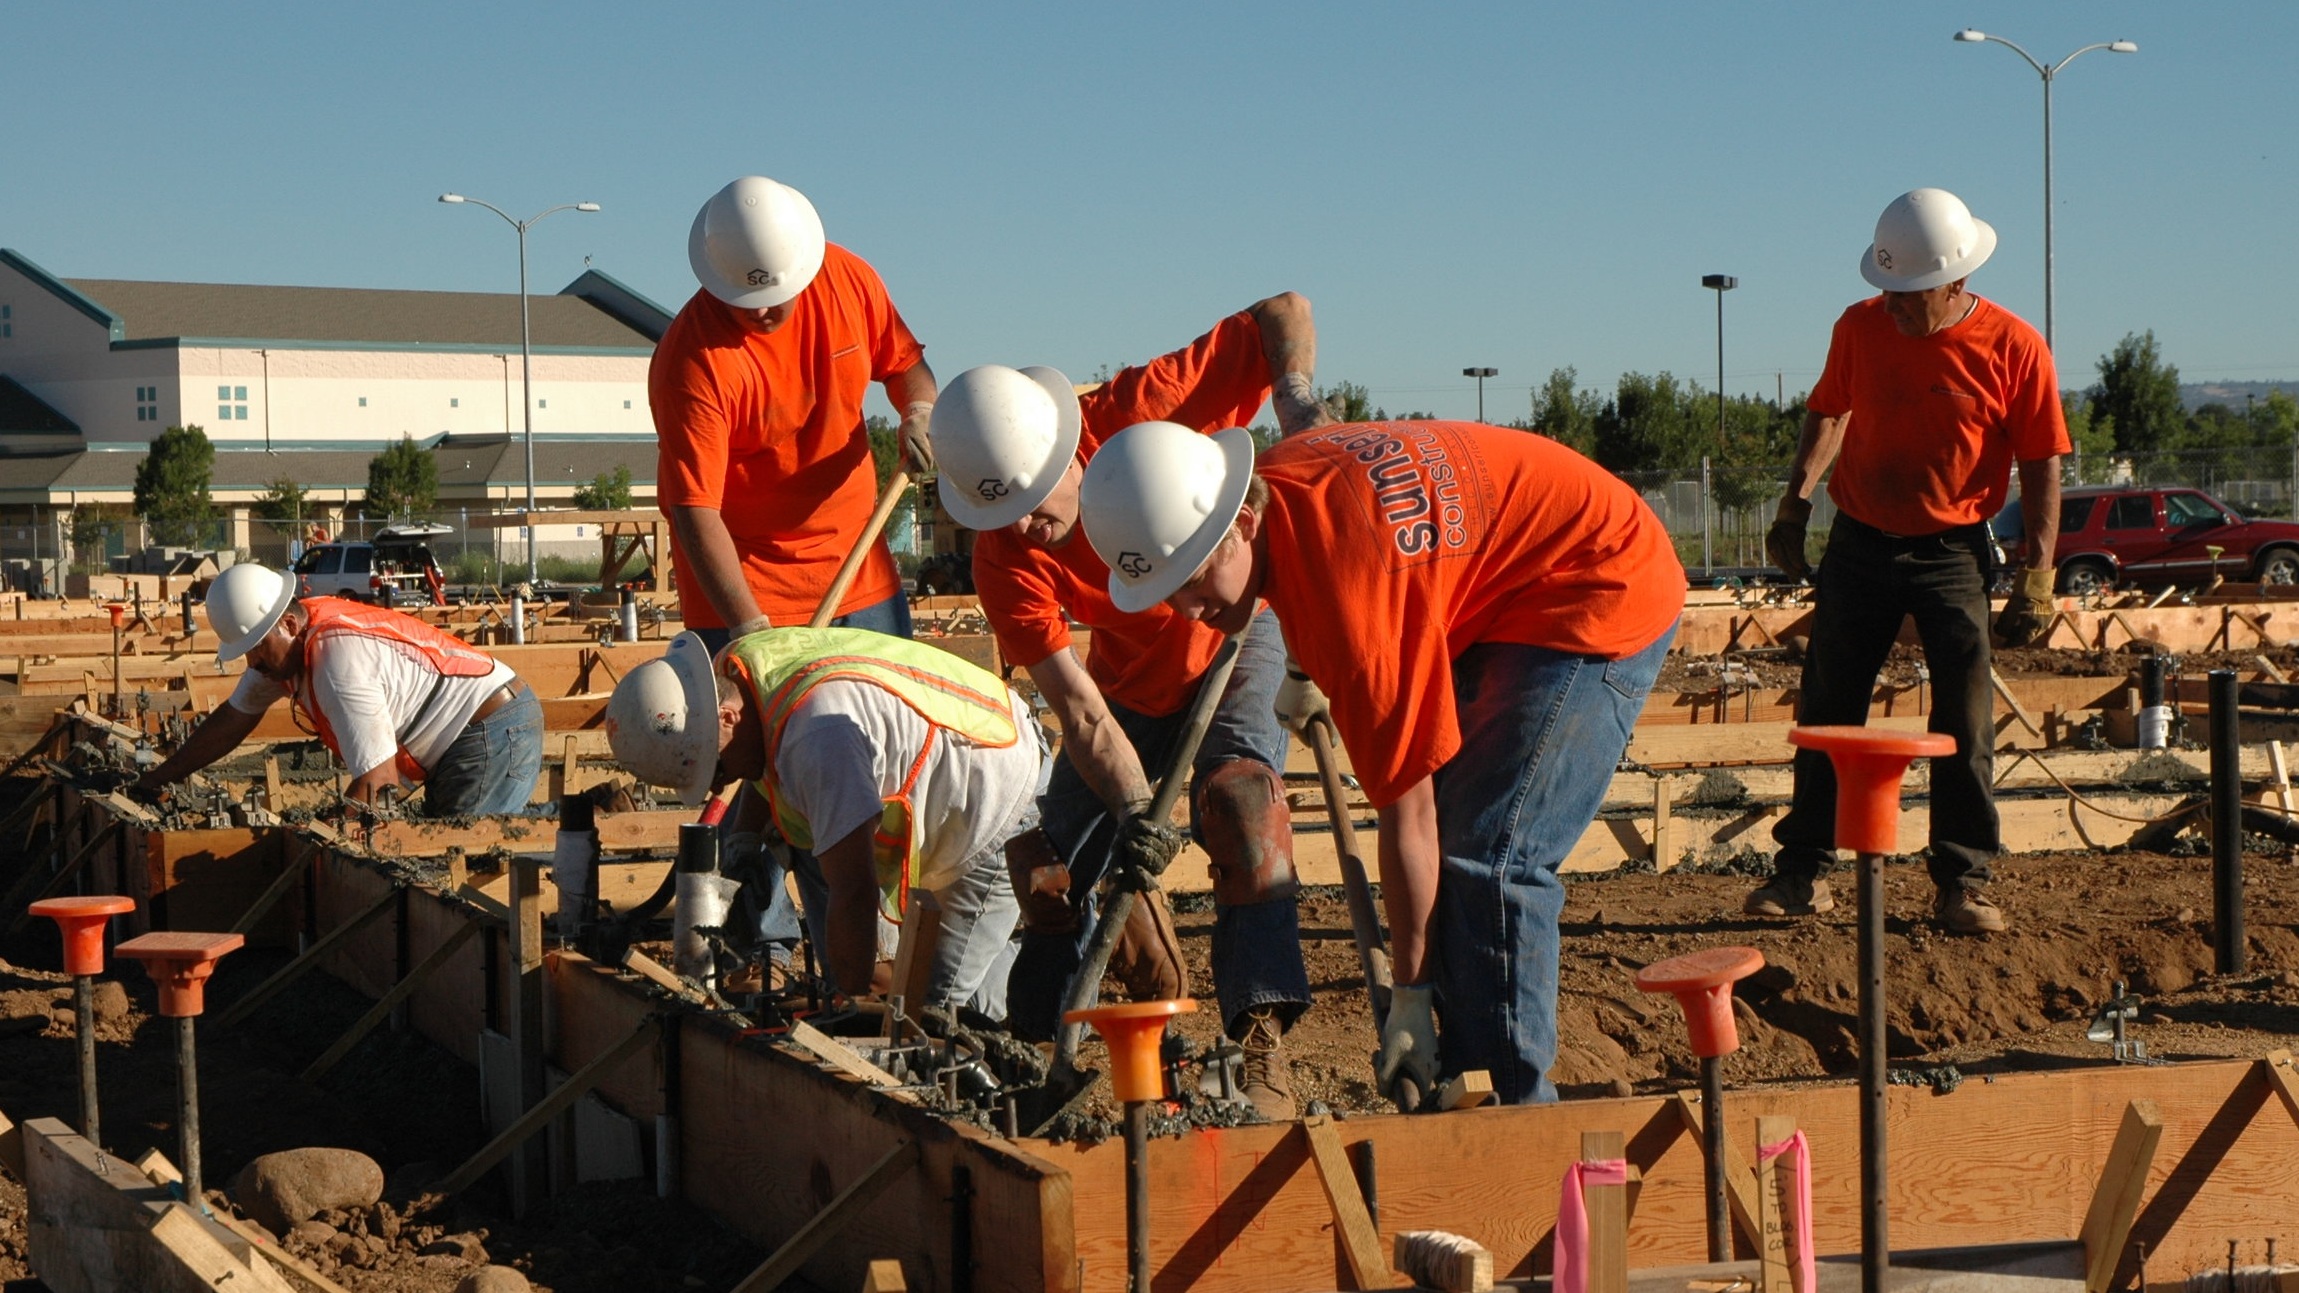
pixel 1012 447
pixel 399 702
pixel 1929 397
pixel 900 765
pixel 757 390
pixel 1487 610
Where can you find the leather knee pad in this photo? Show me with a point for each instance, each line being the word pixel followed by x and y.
pixel 1248 831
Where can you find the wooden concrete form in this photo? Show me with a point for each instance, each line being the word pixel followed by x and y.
pixel 2211 626
pixel 767 1138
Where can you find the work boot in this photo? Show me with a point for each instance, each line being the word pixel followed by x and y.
pixel 1790 895
pixel 1968 911
pixel 1268 1078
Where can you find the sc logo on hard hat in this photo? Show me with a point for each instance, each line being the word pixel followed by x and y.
pixel 763 278
pixel 1135 565
pixel 1883 259
pixel 991 488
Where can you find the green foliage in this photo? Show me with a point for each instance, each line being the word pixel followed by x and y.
pixel 1648 424
pixel 282 500
pixel 402 481
pixel 886 457
pixel 2138 395
pixel 1565 413
pixel 1349 402
pixel 172 485
pixel 607 492
pixel 2091 435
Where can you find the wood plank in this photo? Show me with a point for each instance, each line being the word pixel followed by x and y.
pixel 1607 1207
pixel 2115 1201
pixel 1433 1259
pixel 1466 1091
pixel 97 1224
pixel 825 1225
pixel 1775 1211
pixel 1739 1192
pixel 2281 1078
pixel 12 1148
pixel 155 1165
pixel 1360 1242
pixel 381 1010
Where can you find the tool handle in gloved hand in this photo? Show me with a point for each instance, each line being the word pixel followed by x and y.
pixel 1087 980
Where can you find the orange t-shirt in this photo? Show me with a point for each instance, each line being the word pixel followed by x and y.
pixel 767 428
pixel 1150 662
pixel 1937 421
pixel 1395 546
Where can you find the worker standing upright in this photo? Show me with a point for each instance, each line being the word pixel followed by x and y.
pixel 399 702
pixel 1486 610
pixel 1013 446
pixel 1929 396
pixel 757 391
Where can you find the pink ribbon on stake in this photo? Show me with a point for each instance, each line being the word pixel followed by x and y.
pixel 1799 1152
pixel 1572 1274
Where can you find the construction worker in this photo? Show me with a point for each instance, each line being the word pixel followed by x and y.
pixel 1487 610
pixel 765 470
pixel 1013 446
pixel 1929 396
pixel 899 765
pixel 399 702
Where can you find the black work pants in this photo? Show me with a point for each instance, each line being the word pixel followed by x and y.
pixel 1867 584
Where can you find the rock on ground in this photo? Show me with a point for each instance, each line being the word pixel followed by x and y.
pixel 295 1185
pixel 493 1279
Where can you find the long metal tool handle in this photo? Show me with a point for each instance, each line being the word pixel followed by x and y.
pixel 852 566
pixel 1356 882
pixel 1120 905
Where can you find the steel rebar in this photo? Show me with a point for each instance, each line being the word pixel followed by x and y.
pixel 1712 1147
pixel 1137 1197
pixel 188 1110
pixel 1875 1232
pixel 84 1006
pixel 2230 952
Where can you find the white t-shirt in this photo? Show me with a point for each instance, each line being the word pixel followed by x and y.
pixel 849 746
pixel 379 697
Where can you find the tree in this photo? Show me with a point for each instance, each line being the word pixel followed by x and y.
pixel 172 486
pixel 1565 413
pixel 402 480
pixel 607 492
pixel 1349 402
pixel 1647 426
pixel 282 500
pixel 2138 395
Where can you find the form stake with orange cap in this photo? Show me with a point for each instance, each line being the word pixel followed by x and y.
pixel 82 921
pixel 181 963
pixel 1132 1031
pixel 1702 983
pixel 1869 764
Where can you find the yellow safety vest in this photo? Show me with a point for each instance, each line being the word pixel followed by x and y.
pixel 781 666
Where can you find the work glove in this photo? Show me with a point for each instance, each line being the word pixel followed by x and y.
pixel 1409 1041
pixel 1146 845
pixel 2028 610
pixel 1299 702
pixel 917 448
pixel 1297 406
pixel 1784 542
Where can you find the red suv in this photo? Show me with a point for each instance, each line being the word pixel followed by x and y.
pixel 2111 533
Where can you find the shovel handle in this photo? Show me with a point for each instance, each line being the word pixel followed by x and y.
pixel 852 566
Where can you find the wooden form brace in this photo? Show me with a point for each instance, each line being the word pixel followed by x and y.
pixel 98 1225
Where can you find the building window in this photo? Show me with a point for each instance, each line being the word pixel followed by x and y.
pixel 7 326
pixel 454 403
pixel 542 404
pixel 626 404
pixel 363 401
pixel 233 411
pixel 147 404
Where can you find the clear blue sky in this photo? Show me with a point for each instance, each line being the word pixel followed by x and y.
pixel 1524 185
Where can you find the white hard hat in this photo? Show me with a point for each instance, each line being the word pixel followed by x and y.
pixel 1927 237
pixel 756 243
pixel 244 603
pixel 662 721
pixel 1002 439
pixel 1156 501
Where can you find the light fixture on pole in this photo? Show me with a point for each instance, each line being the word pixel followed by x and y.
pixel 526 343
pixel 1480 374
pixel 2049 73
pixel 1720 284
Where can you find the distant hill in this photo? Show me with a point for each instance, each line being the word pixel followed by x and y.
pixel 2194 395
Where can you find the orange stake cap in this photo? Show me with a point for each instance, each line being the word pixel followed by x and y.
pixel 180 964
pixel 118 612
pixel 1132 1031
pixel 1869 763
pixel 1702 983
pixel 82 921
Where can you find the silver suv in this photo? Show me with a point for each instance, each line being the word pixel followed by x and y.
pixel 399 556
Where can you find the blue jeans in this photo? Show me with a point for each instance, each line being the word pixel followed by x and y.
pixel 491 766
pixel 1868 583
pixel 1541 733
pixel 778 924
pixel 1256 948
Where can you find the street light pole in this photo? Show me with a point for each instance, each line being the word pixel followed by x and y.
pixel 2049 73
pixel 1720 284
pixel 1480 374
pixel 526 345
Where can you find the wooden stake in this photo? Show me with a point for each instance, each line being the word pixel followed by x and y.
pixel 294 969
pixel 1433 1259
pixel 822 1226
pixel 399 992
pixel 1466 1091
pixel 1664 849
pixel 2107 1223
pixel 1737 1174
pixel 2282 788
pixel 2281 1077
pixel 2004 690
pixel 2267 666
pixel 1359 1240
pixel 272 892
pixel 561 1099
pixel 527 1037
pixel 1775 1211
pixel 1608 1217
pixel 884 1277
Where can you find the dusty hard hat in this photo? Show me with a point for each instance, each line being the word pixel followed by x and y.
pixel 1156 501
pixel 662 721
pixel 1002 439
pixel 244 603
pixel 1927 237
pixel 756 243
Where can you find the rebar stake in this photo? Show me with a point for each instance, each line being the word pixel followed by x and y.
pixel 1702 983
pixel 82 921
pixel 181 964
pixel 1132 1032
